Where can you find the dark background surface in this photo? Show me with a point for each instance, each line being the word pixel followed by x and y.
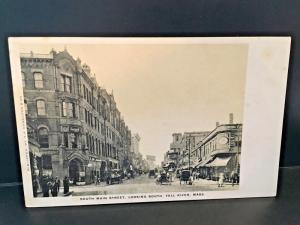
pixel 147 18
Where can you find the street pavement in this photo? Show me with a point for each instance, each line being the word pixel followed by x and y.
pixel 143 184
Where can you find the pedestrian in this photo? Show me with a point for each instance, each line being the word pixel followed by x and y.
pixel 54 188
pixel 232 177
pixel 66 185
pixel 221 180
pixel 45 186
pixel 95 180
pixel 35 185
pixel 58 184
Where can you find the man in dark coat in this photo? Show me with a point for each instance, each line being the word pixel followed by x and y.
pixel 54 188
pixel 35 185
pixel 45 186
pixel 66 185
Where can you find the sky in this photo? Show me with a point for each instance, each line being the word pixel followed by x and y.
pixel 163 89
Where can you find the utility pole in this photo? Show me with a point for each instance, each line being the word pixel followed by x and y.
pixel 189 146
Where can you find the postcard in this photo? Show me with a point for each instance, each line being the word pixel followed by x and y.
pixel 126 120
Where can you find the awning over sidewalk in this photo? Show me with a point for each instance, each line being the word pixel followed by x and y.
pixel 218 161
pixel 204 162
pixel 113 160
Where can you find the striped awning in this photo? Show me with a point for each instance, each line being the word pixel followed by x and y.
pixel 218 162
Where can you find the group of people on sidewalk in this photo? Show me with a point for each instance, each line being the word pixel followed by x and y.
pixel 234 179
pixel 49 184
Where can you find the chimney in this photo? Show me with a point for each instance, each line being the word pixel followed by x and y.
pixel 230 118
pixel 217 124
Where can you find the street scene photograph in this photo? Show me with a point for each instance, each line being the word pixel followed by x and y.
pixel 124 118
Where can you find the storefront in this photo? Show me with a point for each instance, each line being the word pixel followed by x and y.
pixel 224 165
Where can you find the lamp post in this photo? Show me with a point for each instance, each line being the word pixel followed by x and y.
pixel 188 143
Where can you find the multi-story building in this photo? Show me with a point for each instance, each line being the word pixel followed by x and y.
pixel 79 128
pixel 135 151
pixel 220 151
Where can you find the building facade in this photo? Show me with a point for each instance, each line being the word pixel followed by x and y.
pixel 181 149
pixel 80 131
pixel 209 153
pixel 219 151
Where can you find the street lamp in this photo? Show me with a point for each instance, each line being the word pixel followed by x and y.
pixel 188 143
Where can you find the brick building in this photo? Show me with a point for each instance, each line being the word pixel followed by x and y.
pixel 79 128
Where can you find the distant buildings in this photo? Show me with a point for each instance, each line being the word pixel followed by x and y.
pixel 78 130
pixel 209 153
pixel 151 161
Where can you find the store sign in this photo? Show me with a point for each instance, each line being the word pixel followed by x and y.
pixel 74 129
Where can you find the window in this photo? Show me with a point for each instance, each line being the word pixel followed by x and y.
pixel 41 107
pixel 85 116
pixel 74 140
pixel 68 109
pixel 87 140
pixel 66 140
pixel 47 162
pixel 84 92
pixel 43 138
pixel 64 109
pixel 38 80
pixel 23 79
pixel 71 109
pixel 66 83
pixel 25 107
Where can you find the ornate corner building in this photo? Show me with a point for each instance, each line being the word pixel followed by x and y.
pixel 79 129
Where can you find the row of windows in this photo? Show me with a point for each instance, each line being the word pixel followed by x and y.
pixel 38 80
pixel 97 125
pixel 96 104
pixel 99 148
pixel 88 96
pixel 65 82
pixel 68 108
pixel 40 107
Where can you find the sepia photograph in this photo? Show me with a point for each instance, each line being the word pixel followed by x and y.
pixel 127 118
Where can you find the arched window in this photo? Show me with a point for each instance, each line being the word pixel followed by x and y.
pixel 41 107
pixel 38 80
pixel 43 137
pixel 23 79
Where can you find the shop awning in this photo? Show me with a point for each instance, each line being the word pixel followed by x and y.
pixel 218 161
pixel 204 162
pixel 113 160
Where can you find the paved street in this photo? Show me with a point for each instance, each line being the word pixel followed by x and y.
pixel 143 184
